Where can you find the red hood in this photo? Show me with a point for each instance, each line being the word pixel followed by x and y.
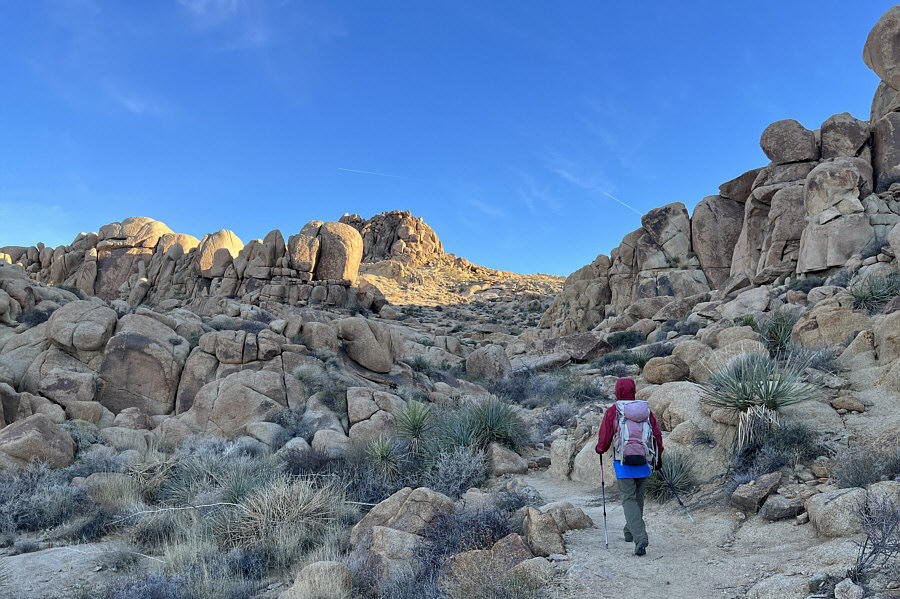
pixel 625 390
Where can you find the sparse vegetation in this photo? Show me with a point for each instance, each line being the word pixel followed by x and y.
pixel 880 518
pixel 862 465
pixel 775 332
pixel 626 339
pixel 35 316
pixel 753 379
pixel 873 292
pixel 806 285
pixel 767 445
pixel 678 468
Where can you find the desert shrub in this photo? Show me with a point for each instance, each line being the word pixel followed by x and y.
pixel 221 322
pixel 753 379
pixel 610 358
pixel 212 471
pixel 261 315
pixel 455 470
pixel 626 339
pixel 290 420
pixel 148 586
pixel 687 327
pixel 873 292
pixel 306 462
pixel 73 290
pixel 806 285
pixel 561 414
pixel 659 350
pixel 252 326
pixel 412 393
pixel 841 278
pixel 880 519
pixel 329 381
pixel 96 459
pixel 678 468
pixel 156 529
pixel 37 498
pixel 821 358
pixel 746 320
pixel 35 316
pixel 449 534
pixel 415 425
pixel 619 369
pixel 775 332
pixel 420 363
pixel 289 515
pixel 862 465
pixel 83 433
pixel 873 247
pixel 770 445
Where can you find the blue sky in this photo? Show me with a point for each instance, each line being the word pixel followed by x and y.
pixel 509 126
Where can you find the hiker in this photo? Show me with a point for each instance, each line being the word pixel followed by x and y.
pixel 636 451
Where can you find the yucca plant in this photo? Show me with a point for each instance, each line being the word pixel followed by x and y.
pixel 415 424
pixel 495 421
pixel 678 468
pixel 385 455
pixel 746 320
pixel 639 358
pixel 748 380
pixel 753 424
pixel 872 293
pixel 775 332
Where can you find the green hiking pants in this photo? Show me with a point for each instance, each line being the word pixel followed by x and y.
pixel 632 491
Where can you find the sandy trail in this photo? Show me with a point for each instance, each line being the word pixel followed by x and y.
pixel 721 556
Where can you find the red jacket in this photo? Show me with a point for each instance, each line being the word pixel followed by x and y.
pixel 625 390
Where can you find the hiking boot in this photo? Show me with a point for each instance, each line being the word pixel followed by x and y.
pixel 628 537
pixel 641 548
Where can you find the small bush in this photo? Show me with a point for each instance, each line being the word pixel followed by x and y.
pixel 37 498
pixel 261 315
pixel 618 357
pixel 455 470
pixel 821 358
pixel 618 370
pixel 449 534
pixel 678 468
pixel 746 320
pixel 220 322
pixel 659 350
pixel 753 379
pixel 252 326
pixel 862 465
pixel 775 332
pixel 880 518
pixel 421 364
pixel 687 328
pixel 330 381
pixel 561 414
pixel 626 339
pixel 290 420
pixel 83 433
pixel 34 317
pixel 841 278
pixel 772 445
pixel 806 285
pixel 875 291
pixel 386 456
pixel 96 459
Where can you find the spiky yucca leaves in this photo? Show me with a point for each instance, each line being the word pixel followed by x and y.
pixel 753 423
pixel 386 455
pixel 415 424
pixel 749 380
pixel 497 422
pixel 775 332
pixel 872 293
pixel 679 469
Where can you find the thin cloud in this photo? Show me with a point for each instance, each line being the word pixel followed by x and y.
pixel 353 170
pixel 133 102
pixel 487 208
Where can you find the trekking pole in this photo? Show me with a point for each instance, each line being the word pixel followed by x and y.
pixel 675 493
pixel 603 491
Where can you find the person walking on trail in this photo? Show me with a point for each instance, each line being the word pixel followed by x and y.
pixel 631 430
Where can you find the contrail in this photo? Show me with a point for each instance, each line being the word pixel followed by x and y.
pixel 353 170
pixel 614 198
